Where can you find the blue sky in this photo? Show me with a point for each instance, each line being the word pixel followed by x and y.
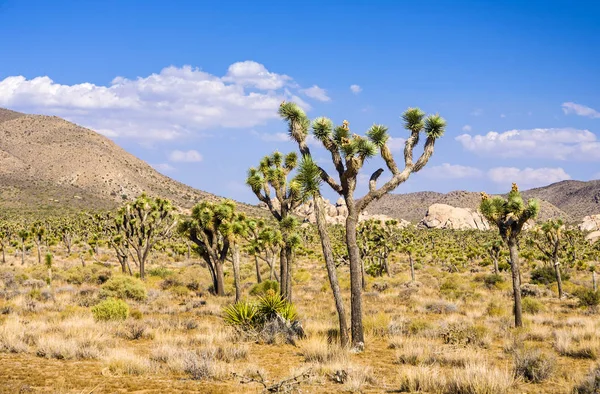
pixel 192 87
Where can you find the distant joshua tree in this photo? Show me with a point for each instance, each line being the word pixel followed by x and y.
pixel 510 216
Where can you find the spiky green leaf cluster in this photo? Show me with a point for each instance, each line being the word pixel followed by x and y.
pixel 378 134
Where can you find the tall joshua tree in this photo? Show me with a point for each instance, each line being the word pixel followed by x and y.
pixel 309 176
pixel 143 223
pixel 510 216
pixel 549 241
pixel 348 153
pixel 272 174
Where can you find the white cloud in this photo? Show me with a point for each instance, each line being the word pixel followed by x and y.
pixel 256 75
pixel 276 137
pixel 356 89
pixel 451 171
pixel 190 156
pixel 162 106
pixel 163 167
pixel 396 143
pixel 466 128
pixel 477 112
pixel 316 93
pixel 528 177
pixel 581 110
pixel 502 116
pixel 558 144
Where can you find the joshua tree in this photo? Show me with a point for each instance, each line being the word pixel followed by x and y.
pixel 548 241
pixel 209 228
pixel 6 234
pixel 144 222
pixel 238 230
pixel 272 173
pixel 38 232
pixel 494 250
pixel 310 179
pixel 23 235
pixel 510 216
pixel 348 153
pixel 263 239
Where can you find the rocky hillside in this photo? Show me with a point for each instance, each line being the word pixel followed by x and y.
pixel 579 200
pixel 47 163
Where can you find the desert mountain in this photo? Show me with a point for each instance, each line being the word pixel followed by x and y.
pixel 570 200
pixel 48 163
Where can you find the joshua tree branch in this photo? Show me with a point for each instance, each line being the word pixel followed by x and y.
pixel 373 180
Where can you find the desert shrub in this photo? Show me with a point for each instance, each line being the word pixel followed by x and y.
pixel 179 291
pixel 504 266
pixel 441 307
pixel 161 272
pixel 377 324
pixel 591 383
pixel 464 334
pixel 533 365
pixel 111 309
pixel 531 305
pixel 171 281
pixel 545 275
pixel 588 297
pixel 92 274
pixel 262 288
pixel 416 327
pixel 494 309
pixel 272 304
pixel 493 280
pixel 124 287
pixel 301 276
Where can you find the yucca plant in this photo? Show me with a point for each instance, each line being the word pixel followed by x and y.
pixel 271 305
pixel 242 314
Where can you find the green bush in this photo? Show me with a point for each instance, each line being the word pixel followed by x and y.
pixel 246 314
pixel 111 309
pixel 588 297
pixel 503 266
pixel 545 275
pixel 260 289
pixel 464 334
pixel 531 305
pixel 161 272
pixel 493 280
pixel 241 314
pixel 124 287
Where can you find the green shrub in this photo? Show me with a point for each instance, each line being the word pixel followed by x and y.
pixel 588 297
pixel 124 287
pixel 262 288
pixel 503 266
pixel 301 276
pixel 242 314
pixel 545 275
pixel 270 304
pixel 492 281
pixel 161 272
pixel 179 291
pixel 531 305
pixel 111 309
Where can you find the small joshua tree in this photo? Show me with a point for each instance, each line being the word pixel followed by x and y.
pixel 211 229
pixel 549 241
pixel 348 153
pixel 272 174
pixel 510 216
pixel 143 223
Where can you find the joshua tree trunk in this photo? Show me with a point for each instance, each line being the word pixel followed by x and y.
pixel 289 259
pixel 412 267
pixel 331 271
pixel 556 264
pixel 358 340
pixel 363 280
pixel 258 276
pixel 3 255
pixel 594 281
pixel 236 272
pixel 496 269
pixel 219 282
pixel 39 252
pixel 516 279
pixel 82 260
pixel 23 253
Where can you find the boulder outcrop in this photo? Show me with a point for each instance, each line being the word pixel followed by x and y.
pixel 449 217
pixel 590 223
